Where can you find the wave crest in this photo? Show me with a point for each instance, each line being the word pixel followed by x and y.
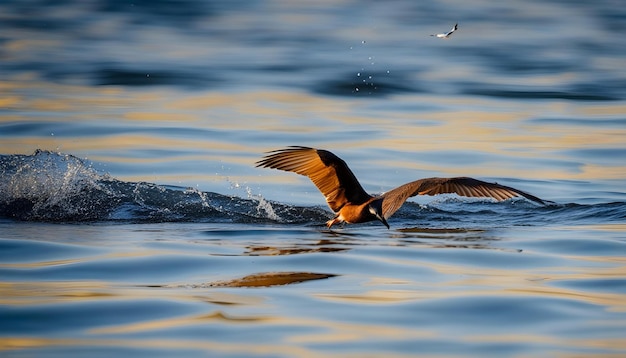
pixel 50 186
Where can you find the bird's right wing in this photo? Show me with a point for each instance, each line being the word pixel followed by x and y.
pixel 328 172
pixel 393 199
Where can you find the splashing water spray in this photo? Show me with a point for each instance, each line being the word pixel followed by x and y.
pixel 264 208
pixel 263 205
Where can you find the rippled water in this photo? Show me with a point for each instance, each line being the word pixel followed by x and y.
pixel 133 220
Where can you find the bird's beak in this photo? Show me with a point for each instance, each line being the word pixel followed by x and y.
pixel 382 220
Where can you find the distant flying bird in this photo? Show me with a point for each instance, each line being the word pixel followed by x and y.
pixel 352 204
pixel 447 34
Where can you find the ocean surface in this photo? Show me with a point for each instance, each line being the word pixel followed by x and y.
pixel 133 221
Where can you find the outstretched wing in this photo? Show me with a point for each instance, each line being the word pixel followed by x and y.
pixel 454 28
pixel 328 172
pixel 393 199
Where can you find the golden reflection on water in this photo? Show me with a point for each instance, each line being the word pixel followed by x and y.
pixel 326 332
pixel 495 282
pixel 602 343
pixel 159 117
pixel 500 129
pixel 462 282
pixel 217 316
pixel 48 292
pixel 113 255
pixel 34 293
pixel 173 344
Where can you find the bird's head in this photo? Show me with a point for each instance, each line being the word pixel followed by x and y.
pixel 376 209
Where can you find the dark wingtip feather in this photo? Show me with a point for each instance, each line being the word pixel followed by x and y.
pixel 266 161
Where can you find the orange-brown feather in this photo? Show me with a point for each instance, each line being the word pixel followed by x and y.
pixel 330 174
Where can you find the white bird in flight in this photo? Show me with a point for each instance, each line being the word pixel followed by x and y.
pixel 447 34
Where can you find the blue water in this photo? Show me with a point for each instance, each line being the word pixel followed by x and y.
pixel 133 220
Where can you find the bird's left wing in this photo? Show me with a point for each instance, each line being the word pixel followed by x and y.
pixel 464 186
pixel 328 172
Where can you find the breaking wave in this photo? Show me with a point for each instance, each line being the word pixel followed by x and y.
pixel 49 186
